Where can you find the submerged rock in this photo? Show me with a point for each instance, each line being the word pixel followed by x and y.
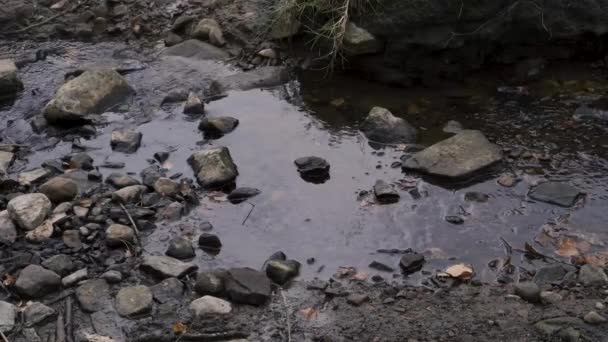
pixel 92 92
pixel 125 140
pixel 382 126
pixel 194 105
pixel 36 282
pixel 559 193
pixel 239 195
pixel 247 286
pixel 10 84
pixel 119 180
pixel 358 41
pixel 209 305
pixel 181 248
pixel 30 210
pixel 457 157
pixel 217 127
pixel 196 49
pixel 59 189
pixel 166 267
pixel 118 235
pixel 411 262
pixel 261 77
pixel 313 169
pixel 385 193
pixel 135 300
pixel 282 271
pixel 213 167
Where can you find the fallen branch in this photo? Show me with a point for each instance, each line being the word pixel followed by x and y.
pixel 46 21
pixel 124 209
pixel 205 337
pixel 287 320
pixel 248 214
pixel 4 339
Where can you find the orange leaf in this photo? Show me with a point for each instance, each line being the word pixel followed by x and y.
pixel 179 328
pixel 309 313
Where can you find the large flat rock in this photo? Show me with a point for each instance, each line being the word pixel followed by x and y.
pixel 457 157
pixel 213 167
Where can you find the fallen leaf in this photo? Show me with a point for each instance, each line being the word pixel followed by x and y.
pixel 460 271
pixel 179 328
pixel 361 276
pixel 309 313
pixel 59 4
pixel 345 272
pixel 9 280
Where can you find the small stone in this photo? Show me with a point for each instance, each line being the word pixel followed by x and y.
pixel 453 126
pixel 37 313
pixel 166 267
pixel 600 306
pixel 30 210
pixel 383 127
pixel 168 290
pixel 135 300
pixel 93 295
pixel 476 197
pixel 247 286
pixel 8 230
pixel 313 169
pixel 181 248
pixel 125 140
pixel 150 174
pixel 166 187
pixel 385 193
pixel 240 195
pixel 173 39
pixel 209 283
pixel 209 241
pixel 592 276
pixel 213 167
pixel 594 318
pixel 507 180
pixel 34 176
pixel 218 126
pixel 71 238
pixel 209 305
pixel 8 312
pixel 454 219
pixel 118 235
pixel 112 277
pixel 194 105
pixel 81 161
pixel 282 271
pixel 357 299
pixel 10 84
pixel 59 189
pixel 381 267
pixel 75 277
pixel 129 194
pixel 161 157
pixel 550 297
pixel 528 291
pixel 209 29
pixel 559 193
pixel 60 264
pixel 358 41
pixel 36 282
pixel 411 262
pixel 119 180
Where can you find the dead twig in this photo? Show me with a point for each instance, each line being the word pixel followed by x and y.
pixel 4 339
pixel 248 214
pixel 60 329
pixel 124 209
pixel 69 326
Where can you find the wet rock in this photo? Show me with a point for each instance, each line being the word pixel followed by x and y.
pixel 261 77
pixel 559 193
pixel 125 140
pixel 528 291
pixel 357 299
pixel 92 92
pixel 150 175
pixel 313 169
pixel 75 277
pixel 36 282
pixel 173 39
pixel 506 180
pixel 112 277
pixel 209 29
pixel 34 176
pixel 239 195
pixel 453 127
pixel 553 274
pixel 194 105
pixel 456 157
pixel 93 295
pixel 117 235
pixel 593 317
pixel 42 233
pixel 71 238
pixel 119 180
pixel 209 305
pixel 166 187
pixel 411 262
pixel 454 219
pixel 282 271
pixel 30 210
pixel 476 197
pixel 382 126
pixel 209 283
pixel 60 264
pixel 247 286
pixel 218 126
pixel 6 159
pixel 385 193
pixel 135 300
pixel 161 157
pixel 182 23
pixel 213 167
pixel 358 41
pixel 107 324
pixel 550 297
pixel 559 327
pixel 209 241
pixel 37 313
pixel 10 84
pixel 129 194
pixel 8 230
pixel 81 161
pixel 592 276
pixel 181 248
pixel 172 212
pixel 166 267
pixel 59 189
pixel 168 290
pixel 8 312
pixel 196 49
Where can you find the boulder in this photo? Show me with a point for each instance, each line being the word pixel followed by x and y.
pixel 210 283
pixel 36 282
pixel 92 92
pixel 135 300
pixel 119 180
pixel 59 189
pixel 129 194
pixel 29 210
pixel 6 159
pixel 209 305
pixel 382 126
pixel 60 264
pixel 93 295
pixel 196 49
pixel 37 313
pixel 282 271
pixel 10 84
pixel 117 235
pixel 194 105
pixel 559 193
pixel 181 248
pixel 8 230
pixel 218 126
pixel 8 312
pixel 247 286
pixel 213 167
pixel 166 187
pixel 168 290
pixel 358 41
pixel 385 193
pixel 209 29
pixel 125 140
pixel 457 157
pixel 166 267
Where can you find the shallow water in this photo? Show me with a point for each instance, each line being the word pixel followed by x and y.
pixel 329 221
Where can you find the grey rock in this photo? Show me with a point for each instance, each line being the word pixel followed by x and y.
pixel 34 176
pixel 592 276
pixel 209 29
pixel 593 317
pixel 528 291
pixel 81 160
pixel 209 305
pixel 382 126
pixel 282 271
pixel 181 248
pixel 558 326
pixel 8 312
pixel 6 160
pixel 93 295
pixel 247 286
pixel 196 49
pixel 285 26
pixel 92 92
pixel 161 157
pixel 8 230
pixel 213 167
pixel 117 235
pixel 385 193
pixel 75 277
pixel 129 194
pixel 357 299
pixel 194 105
pixel 559 193
pixel 240 195
pixel 108 324
pixel 37 313
pixel 60 264
pixel 457 157
pixel 112 277
pixel 42 233
pixel 550 297
pixel 150 175
pixel 209 241
pixel 71 238
pixel 168 290
pixel 411 262
pixel 210 283
pixel 359 41
pixel 59 189
pixel 552 274
pixel 173 39
pixel 119 180
pixel 313 169
pixel 261 77
pixel 10 84
pixel 166 267
pixel 29 210
pixel 125 140
pixel 182 23
pixel 31 335
pixel 36 282
pixel 135 300
pixel 166 187
pixel 218 126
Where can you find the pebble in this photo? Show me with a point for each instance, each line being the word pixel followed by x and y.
pixel 528 291
pixel 134 300
pixel 181 248
pixel 357 299
pixel 594 318
pixel 112 277
pixel 8 312
pixel 454 219
pixel 209 305
pixel 600 306
pixel 75 277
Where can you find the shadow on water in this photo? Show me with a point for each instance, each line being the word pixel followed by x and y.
pixel 312 116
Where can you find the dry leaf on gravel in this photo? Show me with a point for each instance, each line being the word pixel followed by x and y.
pixel 460 271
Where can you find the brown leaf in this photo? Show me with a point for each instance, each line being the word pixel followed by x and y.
pixel 9 280
pixel 179 328
pixel 460 271
pixel 531 252
pixel 309 313
pixel 345 272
